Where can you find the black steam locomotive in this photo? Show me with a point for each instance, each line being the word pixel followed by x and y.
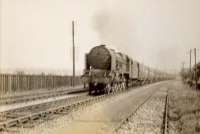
pixel 109 71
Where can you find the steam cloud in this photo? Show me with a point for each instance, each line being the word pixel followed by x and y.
pixel 116 30
pixel 152 34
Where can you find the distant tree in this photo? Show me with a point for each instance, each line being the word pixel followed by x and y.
pixel 43 74
pixel 198 70
pixel 185 74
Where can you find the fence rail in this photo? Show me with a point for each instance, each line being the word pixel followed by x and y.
pixel 17 82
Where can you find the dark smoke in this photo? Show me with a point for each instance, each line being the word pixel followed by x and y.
pixel 152 34
pixel 116 29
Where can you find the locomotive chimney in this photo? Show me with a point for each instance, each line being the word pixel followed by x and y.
pixel 103 45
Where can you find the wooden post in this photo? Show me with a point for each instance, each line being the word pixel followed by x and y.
pixel 190 61
pixel 183 66
pixel 73 47
pixel 195 62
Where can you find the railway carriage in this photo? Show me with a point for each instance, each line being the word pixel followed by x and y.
pixel 143 73
pixel 109 71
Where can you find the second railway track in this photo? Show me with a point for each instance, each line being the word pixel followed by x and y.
pixel 165 116
pixel 137 121
pixel 21 116
pixel 36 96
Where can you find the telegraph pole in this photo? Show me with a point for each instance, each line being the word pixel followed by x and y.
pixel 73 51
pixel 195 66
pixel 183 66
pixel 190 61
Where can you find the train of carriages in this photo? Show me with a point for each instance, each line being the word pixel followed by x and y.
pixel 190 76
pixel 109 71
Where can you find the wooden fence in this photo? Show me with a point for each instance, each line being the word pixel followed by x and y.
pixel 17 82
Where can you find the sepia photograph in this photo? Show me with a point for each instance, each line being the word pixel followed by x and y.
pixel 99 67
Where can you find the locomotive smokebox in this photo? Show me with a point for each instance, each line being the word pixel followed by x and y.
pixel 99 58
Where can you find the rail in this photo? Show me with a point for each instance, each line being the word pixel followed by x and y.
pixel 39 96
pixel 165 117
pixel 16 117
pixel 126 119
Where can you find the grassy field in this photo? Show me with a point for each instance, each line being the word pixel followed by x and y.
pixel 184 109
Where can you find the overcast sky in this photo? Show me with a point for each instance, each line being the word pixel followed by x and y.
pixel 36 34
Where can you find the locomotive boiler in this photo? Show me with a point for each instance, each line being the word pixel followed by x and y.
pixel 109 71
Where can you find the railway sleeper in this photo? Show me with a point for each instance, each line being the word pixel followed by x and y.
pixel 18 122
pixel 13 115
pixel 28 125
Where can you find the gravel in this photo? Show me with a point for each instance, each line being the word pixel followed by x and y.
pixel 102 117
pixel 45 126
pixel 37 91
pixel 148 119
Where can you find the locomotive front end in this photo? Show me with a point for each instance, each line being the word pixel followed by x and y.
pixel 98 64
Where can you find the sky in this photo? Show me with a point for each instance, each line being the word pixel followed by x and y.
pixel 36 34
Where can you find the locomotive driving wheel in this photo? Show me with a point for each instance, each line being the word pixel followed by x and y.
pixel 123 86
pixel 108 88
pixel 91 88
pixel 115 87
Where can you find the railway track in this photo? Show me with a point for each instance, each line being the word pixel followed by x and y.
pixel 29 114
pixel 37 96
pixel 126 119
pixel 164 129
pixel 22 115
pixel 165 116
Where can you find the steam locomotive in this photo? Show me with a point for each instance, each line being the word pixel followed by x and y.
pixel 109 71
